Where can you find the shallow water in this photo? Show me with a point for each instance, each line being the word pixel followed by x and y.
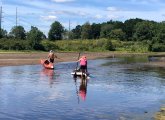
pixel 118 89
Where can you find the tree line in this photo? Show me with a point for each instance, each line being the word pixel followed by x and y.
pixel 135 30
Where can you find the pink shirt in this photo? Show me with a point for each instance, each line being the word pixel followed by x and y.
pixel 83 61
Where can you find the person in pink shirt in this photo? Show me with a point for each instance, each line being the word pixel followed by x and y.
pixel 83 64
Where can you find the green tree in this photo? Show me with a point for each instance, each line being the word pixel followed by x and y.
pixel 105 30
pixel 116 24
pixel 18 32
pixel 129 28
pixel 95 30
pixel 3 33
pixel 56 31
pixel 76 33
pixel 117 34
pixel 34 36
pixel 160 33
pixel 144 31
pixel 86 31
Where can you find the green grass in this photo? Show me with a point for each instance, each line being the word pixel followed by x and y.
pixel 99 45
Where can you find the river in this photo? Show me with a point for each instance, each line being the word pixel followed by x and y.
pixel 117 89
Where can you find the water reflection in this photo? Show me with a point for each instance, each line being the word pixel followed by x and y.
pixel 126 60
pixel 156 58
pixel 50 74
pixel 82 87
pixel 118 89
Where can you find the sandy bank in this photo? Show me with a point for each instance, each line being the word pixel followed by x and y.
pixel 14 59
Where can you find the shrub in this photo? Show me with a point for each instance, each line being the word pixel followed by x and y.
pixel 157 47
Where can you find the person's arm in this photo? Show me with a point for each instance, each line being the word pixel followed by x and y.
pixel 55 56
pixel 79 60
pixel 48 55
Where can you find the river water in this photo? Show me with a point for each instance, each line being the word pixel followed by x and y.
pixel 117 89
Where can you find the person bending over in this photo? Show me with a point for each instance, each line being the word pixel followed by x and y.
pixel 51 56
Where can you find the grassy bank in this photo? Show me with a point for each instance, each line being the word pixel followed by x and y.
pixel 99 45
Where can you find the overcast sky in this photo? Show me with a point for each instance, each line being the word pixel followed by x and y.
pixel 42 13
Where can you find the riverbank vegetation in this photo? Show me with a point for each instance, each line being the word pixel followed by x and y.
pixel 96 45
pixel 133 35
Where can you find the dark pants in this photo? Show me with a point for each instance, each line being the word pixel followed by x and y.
pixel 83 68
pixel 51 60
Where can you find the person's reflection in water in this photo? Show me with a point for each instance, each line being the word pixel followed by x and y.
pixel 82 88
pixel 50 74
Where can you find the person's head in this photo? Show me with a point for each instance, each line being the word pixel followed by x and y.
pixel 51 51
pixel 84 56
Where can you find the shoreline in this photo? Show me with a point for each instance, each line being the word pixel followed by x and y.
pixel 16 59
pixel 21 58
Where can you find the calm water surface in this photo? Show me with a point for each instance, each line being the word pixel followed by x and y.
pixel 118 89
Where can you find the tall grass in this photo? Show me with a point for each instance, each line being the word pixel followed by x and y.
pixel 95 45
pixel 130 46
pixel 77 45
